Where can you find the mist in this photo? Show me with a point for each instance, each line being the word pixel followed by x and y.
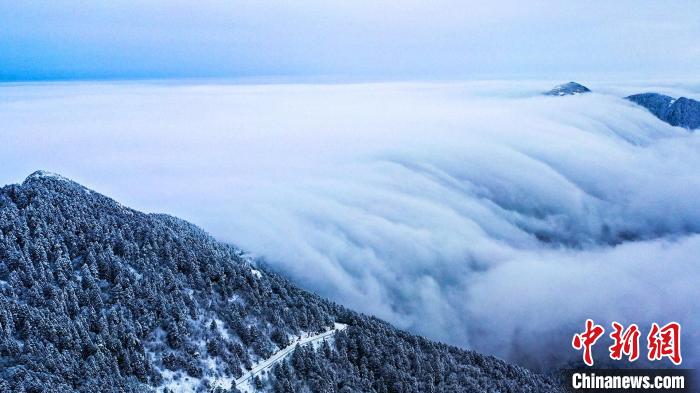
pixel 480 214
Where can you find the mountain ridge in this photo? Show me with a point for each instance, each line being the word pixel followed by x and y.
pixel 98 296
pixel 681 112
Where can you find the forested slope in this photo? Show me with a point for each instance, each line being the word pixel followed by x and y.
pixel 95 296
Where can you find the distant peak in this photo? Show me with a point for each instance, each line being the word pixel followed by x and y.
pixel 682 112
pixel 568 89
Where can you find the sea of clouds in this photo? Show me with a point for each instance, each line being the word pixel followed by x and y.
pixel 476 213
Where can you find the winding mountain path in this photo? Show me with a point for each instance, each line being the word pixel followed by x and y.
pixel 282 354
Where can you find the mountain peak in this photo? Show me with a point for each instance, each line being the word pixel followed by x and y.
pixel 682 112
pixel 568 89
pixel 54 182
pixel 43 175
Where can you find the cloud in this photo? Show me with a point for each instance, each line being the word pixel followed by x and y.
pixel 479 214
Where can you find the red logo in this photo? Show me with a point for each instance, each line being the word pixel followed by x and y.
pixel 625 343
pixel 586 340
pixel 665 342
pixel 662 342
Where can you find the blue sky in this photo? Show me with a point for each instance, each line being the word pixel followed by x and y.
pixel 409 39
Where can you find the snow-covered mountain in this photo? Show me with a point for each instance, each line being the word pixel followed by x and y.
pixel 95 296
pixel 682 112
pixel 568 89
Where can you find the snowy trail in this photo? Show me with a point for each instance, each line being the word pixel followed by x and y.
pixel 282 354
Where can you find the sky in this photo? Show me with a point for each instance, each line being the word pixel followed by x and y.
pixel 358 40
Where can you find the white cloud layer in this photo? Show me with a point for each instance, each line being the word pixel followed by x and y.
pixel 479 214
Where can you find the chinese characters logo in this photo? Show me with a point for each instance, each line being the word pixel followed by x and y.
pixel 662 342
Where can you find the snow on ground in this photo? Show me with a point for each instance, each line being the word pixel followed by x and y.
pixel 221 327
pixel 178 382
pixel 220 380
pixel 236 299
